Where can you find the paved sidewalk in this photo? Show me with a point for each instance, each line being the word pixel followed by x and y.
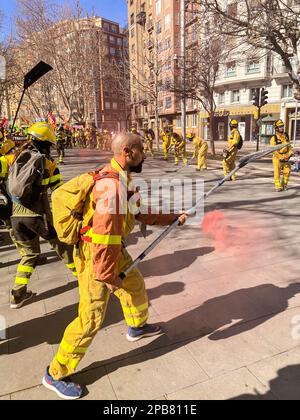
pixel 229 305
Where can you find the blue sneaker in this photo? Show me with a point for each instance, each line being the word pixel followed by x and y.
pixel 64 389
pixel 136 334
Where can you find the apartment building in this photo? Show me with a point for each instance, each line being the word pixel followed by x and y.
pixel 101 102
pixel 235 88
pixel 156 57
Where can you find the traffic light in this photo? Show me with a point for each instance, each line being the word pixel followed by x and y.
pixel 264 97
pixel 256 98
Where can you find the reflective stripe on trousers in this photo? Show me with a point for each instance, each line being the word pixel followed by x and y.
pixel 94 298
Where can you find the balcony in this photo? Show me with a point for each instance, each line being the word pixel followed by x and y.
pixel 141 18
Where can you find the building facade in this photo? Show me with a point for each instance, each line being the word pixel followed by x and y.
pixel 100 97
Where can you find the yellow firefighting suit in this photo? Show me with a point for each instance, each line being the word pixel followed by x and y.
pixel 166 138
pixel 60 145
pixel 30 224
pixel 149 144
pixel 232 149
pixel 200 152
pixel 179 145
pixel 280 160
pixel 101 257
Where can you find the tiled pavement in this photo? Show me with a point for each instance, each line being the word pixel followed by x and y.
pixel 230 312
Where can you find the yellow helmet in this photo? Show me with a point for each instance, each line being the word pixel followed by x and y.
pixel 279 124
pixel 42 131
pixel 134 130
pixel 7 146
pixel 234 123
pixel 190 136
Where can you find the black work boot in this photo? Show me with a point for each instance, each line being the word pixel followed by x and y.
pixel 19 297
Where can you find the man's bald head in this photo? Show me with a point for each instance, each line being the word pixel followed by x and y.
pixel 125 140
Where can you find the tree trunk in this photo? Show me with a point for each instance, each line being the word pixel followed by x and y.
pixel 211 133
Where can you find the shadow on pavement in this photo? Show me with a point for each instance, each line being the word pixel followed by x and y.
pixel 286 387
pixel 52 255
pixel 253 306
pixel 173 263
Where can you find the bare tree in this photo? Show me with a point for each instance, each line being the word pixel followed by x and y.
pixel 71 43
pixel 268 25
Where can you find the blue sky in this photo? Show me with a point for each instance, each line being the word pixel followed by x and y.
pixel 111 9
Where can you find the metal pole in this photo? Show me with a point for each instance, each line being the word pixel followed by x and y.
pixel 183 46
pixel 295 126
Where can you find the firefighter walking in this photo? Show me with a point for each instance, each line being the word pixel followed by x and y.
pixel 282 166
pixel 60 144
pixel 31 216
pixel 229 154
pixel 102 256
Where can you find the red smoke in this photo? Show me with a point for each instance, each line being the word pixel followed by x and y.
pixel 215 225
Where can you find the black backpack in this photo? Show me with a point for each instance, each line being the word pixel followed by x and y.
pixel 240 143
pixel 25 177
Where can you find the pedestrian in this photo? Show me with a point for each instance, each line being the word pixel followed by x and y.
pixel 102 255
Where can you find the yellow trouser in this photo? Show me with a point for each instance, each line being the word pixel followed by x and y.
pixel 180 154
pixel 229 164
pixel 94 297
pixel 149 147
pixel 166 148
pixel 202 157
pixel 281 168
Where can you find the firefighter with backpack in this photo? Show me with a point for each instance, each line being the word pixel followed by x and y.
pixel 60 144
pixel 31 175
pixel 235 143
pixel 103 207
pixel 281 158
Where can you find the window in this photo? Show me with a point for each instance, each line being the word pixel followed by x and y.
pixel 221 98
pixel 112 51
pixel 114 29
pixel 115 105
pixel 287 91
pixel 253 67
pixel 252 93
pixel 194 33
pixel 231 69
pixel 168 43
pixel 232 9
pixel 158 7
pixel 168 102
pixel 112 39
pixel 235 96
pixel 107 105
pixel 167 22
pixel 187 121
pixel 119 42
pixel 158 27
pixel 178 122
pixel 194 120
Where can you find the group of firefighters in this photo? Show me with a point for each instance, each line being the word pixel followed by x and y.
pixel 100 254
